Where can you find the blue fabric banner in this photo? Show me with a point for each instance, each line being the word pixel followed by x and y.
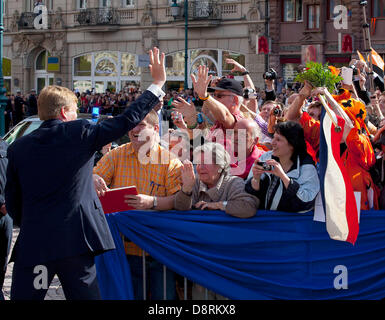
pixel 274 255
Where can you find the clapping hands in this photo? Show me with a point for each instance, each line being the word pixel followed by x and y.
pixel 188 176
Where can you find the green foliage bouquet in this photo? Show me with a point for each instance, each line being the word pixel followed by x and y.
pixel 319 76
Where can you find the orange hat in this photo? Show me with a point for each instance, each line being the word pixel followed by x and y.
pixel 343 94
pixel 356 111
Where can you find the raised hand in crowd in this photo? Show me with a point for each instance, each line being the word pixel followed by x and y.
pixel 157 67
pixel 188 176
pixel 275 113
pixel 201 81
pixel 294 110
pixel 177 118
pixel 188 110
pixel 238 67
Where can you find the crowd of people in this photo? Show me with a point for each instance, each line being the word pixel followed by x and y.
pixel 226 145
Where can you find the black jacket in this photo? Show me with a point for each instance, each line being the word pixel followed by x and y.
pixel 3 169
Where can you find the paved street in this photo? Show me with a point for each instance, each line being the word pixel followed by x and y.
pixel 55 291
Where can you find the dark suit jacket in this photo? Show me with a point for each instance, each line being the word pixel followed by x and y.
pixel 50 190
pixel 3 169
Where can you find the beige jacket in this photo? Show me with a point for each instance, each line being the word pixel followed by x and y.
pixel 229 188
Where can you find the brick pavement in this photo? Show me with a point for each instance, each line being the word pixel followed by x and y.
pixel 55 291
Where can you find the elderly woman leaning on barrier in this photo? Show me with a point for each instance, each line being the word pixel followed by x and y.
pixel 285 178
pixel 215 188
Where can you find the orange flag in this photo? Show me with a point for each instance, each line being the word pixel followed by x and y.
pixel 377 60
pixel 334 70
pixel 361 56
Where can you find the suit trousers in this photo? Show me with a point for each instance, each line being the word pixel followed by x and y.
pixel 77 276
pixel 6 225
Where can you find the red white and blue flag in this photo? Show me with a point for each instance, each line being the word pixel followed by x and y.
pixel 336 189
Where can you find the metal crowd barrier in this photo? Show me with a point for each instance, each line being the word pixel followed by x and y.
pixel 164 281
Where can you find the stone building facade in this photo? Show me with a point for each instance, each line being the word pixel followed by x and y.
pixel 102 44
pixel 298 27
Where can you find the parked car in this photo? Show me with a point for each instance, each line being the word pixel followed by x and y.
pixel 30 124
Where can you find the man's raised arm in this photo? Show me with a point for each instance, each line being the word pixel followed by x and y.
pixel 217 109
pixel 294 112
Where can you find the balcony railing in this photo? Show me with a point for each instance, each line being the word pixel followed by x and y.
pixel 202 10
pixel 98 16
pixel 27 18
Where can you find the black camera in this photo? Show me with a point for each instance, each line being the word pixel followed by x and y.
pixel 270 75
pixel 355 70
pixel 247 92
pixel 277 112
pixel 265 166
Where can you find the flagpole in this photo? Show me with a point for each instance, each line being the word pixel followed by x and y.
pixel 337 128
pixel 368 51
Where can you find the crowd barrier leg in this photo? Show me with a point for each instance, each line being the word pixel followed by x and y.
pixel 185 288
pixel 164 283
pixel 144 274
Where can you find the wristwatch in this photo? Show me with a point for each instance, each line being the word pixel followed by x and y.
pixel 224 204
pixel 155 204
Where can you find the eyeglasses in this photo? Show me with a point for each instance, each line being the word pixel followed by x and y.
pixel 219 95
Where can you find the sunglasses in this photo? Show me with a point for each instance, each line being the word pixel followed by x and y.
pixel 220 95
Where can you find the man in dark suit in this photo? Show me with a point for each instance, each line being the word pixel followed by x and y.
pixel 5 220
pixel 52 197
pixel 18 113
pixel 32 103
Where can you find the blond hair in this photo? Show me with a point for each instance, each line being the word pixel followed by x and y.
pixel 152 118
pixel 52 99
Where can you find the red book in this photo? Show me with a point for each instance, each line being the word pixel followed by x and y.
pixel 113 200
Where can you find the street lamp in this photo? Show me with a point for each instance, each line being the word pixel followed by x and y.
pixel 175 12
pixel 3 99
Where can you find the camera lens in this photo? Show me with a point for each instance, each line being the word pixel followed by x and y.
pixel 267 167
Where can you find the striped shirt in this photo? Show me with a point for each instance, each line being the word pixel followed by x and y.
pixel 160 176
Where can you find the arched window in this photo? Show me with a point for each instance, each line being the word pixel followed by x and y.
pixel 82 65
pixel 215 59
pixel 105 70
pixel 41 60
pixel 42 77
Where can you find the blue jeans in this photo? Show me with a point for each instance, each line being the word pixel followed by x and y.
pixel 154 279
pixel 6 225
